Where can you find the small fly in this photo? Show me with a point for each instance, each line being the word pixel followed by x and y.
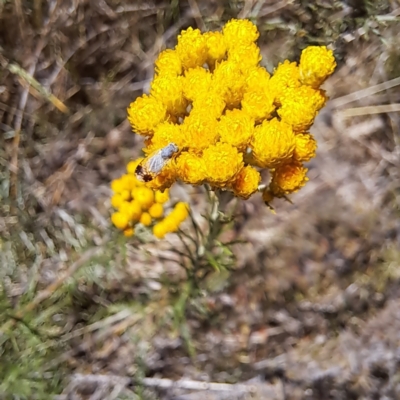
pixel 153 165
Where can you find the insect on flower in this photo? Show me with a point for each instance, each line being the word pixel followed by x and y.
pixel 152 165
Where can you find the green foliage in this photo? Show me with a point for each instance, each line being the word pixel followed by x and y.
pixel 33 333
pixel 25 356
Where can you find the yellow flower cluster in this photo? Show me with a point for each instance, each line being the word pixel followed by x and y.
pixel 228 116
pixel 172 221
pixel 136 203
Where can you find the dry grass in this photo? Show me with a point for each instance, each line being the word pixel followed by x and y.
pixel 311 309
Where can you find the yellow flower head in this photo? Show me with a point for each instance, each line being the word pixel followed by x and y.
pixel 199 130
pixel 159 230
pixel 273 143
pixel 144 196
pixel 300 106
pixel 212 102
pixel 156 210
pixel 172 221
pixel 116 200
pixel 125 194
pixel 239 31
pixel 129 181
pixel 246 56
pixel 117 185
pixel 170 224
pixel 197 82
pixel 287 179
pixel 164 134
pixel 223 162
pixel 192 48
pixel 286 75
pixel 122 185
pixel 120 220
pixel 216 47
pixel 258 104
pixel 236 127
pixel 191 169
pixel 132 209
pixel 316 64
pixel 145 219
pixel 257 77
pixel 161 197
pixel 180 212
pixel 230 82
pixel 145 113
pixel 305 148
pixel 246 182
pixel 168 63
pixel 169 91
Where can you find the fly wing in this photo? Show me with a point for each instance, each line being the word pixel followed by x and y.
pixel 155 163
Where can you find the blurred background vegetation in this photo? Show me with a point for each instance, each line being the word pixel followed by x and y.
pixel 309 309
